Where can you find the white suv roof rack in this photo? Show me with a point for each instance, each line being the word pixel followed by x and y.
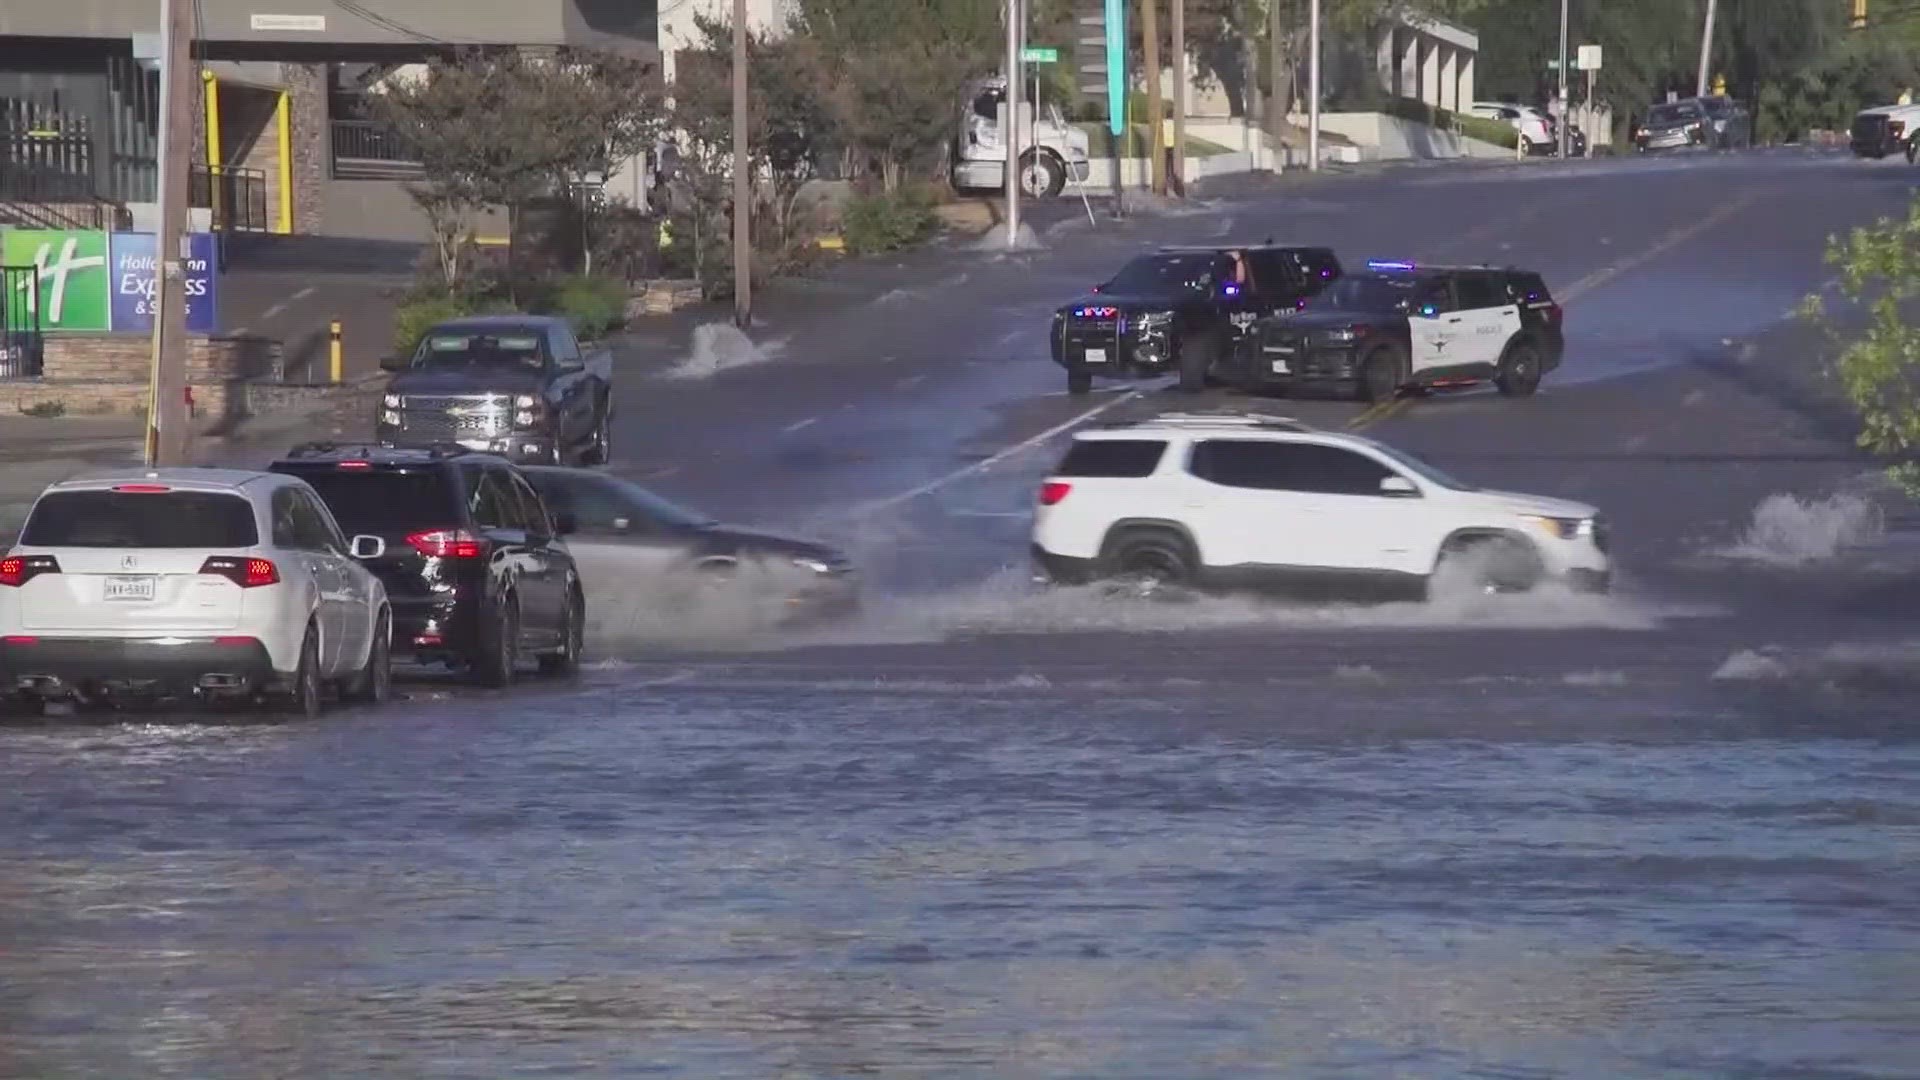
pixel 1224 418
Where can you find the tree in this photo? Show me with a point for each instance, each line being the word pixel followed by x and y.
pixel 897 71
pixel 502 128
pixel 1879 370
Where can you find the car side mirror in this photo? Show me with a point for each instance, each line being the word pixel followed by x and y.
pixel 565 524
pixel 1398 487
pixel 393 363
pixel 368 547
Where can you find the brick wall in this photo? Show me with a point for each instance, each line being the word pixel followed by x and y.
pixel 312 142
pixel 110 358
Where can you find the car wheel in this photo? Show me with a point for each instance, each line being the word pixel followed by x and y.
pixel 1041 177
pixel 499 657
pixel 601 450
pixel 1485 565
pixel 373 685
pixel 566 662
pixel 1079 382
pixel 1519 371
pixel 302 696
pixel 1379 375
pixel 1196 361
pixel 1148 561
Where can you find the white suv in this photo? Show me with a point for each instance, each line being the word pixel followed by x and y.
pixel 1242 499
pixel 210 583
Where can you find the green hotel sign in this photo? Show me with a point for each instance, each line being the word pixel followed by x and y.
pixel 72 265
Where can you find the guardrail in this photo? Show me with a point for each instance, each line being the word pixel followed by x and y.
pixel 370 150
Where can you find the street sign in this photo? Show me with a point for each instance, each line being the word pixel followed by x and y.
pixel 1039 56
pixel 1588 58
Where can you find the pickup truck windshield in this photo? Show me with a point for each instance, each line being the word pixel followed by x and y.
pixel 446 350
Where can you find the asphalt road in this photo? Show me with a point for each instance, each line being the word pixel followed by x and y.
pixel 994 832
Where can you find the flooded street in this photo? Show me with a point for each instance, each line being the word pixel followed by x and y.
pixel 708 871
pixel 987 831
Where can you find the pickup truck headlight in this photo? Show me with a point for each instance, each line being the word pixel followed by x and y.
pixel 525 418
pixel 391 401
pixel 1156 320
pixel 526 401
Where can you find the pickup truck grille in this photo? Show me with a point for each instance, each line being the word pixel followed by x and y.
pixel 452 418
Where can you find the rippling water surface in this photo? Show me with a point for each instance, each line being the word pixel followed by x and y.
pixel 707 876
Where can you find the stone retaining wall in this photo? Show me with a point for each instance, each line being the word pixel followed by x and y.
pixel 129 358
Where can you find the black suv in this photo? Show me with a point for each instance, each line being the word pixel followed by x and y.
pixel 474 566
pixel 1405 325
pixel 1182 310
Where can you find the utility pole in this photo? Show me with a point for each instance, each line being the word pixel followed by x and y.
pixel 1010 130
pixel 1706 51
pixel 1179 177
pixel 742 178
pixel 1276 54
pixel 1156 141
pixel 1566 110
pixel 1313 85
pixel 168 437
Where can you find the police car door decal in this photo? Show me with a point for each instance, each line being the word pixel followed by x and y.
pixel 1436 329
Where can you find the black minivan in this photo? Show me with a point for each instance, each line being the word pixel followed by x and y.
pixel 474 565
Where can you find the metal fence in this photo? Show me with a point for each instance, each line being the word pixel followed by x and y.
pixel 368 149
pixel 237 197
pixel 20 338
pixel 39 165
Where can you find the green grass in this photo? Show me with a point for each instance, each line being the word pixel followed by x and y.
pixel 1097 135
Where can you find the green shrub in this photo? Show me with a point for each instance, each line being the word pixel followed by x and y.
pixel 1497 132
pixel 595 305
pixel 877 223
pixel 413 318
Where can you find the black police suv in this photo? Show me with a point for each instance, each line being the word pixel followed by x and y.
pixel 1399 324
pixel 474 565
pixel 651 537
pixel 1182 310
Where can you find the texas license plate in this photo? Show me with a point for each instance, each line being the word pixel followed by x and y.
pixel 1094 356
pixel 129 588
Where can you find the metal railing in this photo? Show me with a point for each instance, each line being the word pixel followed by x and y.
pixel 21 343
pixel 368 149
pixel 237 197
pixel 45 166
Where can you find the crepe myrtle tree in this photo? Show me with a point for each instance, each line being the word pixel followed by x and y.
pixel 1878 365
pixel 499 128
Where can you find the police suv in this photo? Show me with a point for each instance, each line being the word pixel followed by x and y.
pixel 1400 325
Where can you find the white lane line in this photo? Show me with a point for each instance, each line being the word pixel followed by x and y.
pixel 1674 239
pixel 273 312
pixel 909 381
pixel 798 424
pixel 303 293
pixel 986 463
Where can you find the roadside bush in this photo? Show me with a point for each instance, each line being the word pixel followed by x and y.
pixel 414 317
pixel 1497 132
pixel 595 305
pixel 872 224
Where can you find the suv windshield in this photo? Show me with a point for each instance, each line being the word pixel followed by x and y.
pixel 1419 468
pixel 1672 113
pixel 115 519
pixel 1363 292
pixel 1162 275
pixel 383 502
pixel 442 350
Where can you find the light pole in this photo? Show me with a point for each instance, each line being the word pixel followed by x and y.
pixel 1009 131
pixel 742 182
pixel 1706 52
pixel 1313 86
pixel 1566 112
pixel 167 434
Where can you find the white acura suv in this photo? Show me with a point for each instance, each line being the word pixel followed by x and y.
pixel 190 583
pixel 1241 499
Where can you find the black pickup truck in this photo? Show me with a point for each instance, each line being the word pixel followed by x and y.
pixel 519 386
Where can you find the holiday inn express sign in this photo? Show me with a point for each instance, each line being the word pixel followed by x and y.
pixel 101 282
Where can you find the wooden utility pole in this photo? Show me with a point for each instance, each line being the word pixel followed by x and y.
pixel 1156 142
pixel 1276 63
pixel 1706 52
pixel 169 441
pixel 742 176
pixel 1179 179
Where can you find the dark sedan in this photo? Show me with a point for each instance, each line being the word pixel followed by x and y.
pixel 628 538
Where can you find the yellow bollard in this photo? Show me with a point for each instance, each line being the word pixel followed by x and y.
pixel 333 350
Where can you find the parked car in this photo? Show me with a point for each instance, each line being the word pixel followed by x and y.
pixel 1730 125
pixel 520 386
pixel 1885 130
pixel 1535 127
pixel 1673 125
pixel 477 571
pixel 191 583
